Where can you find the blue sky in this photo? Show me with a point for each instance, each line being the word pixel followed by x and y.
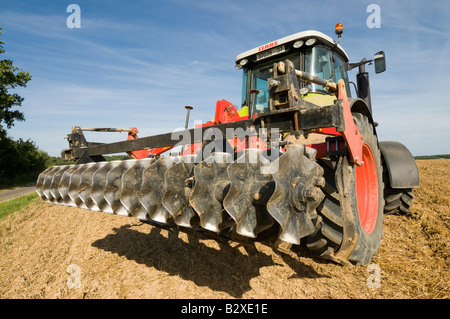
pixel 138 63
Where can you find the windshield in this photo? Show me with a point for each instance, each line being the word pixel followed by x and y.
pixel 328 66
pixel 318 61
pixel 258 80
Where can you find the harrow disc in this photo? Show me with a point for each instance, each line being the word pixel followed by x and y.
pixel 54 186
pixel 84 190
pixel 113 187
pixel 131 188
pixel 249 190
pixel 211 186
pixel 74 186
pixel 297 193
pixel 64 184
pixel 178 183
pixel 152 189
pixel 246 196
pixel 99 184
pixel 43 183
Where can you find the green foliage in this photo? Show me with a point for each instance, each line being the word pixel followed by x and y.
pixel 10 78
pixel 14 205
pixel 20 161
pixel 426 157
pixel 55 161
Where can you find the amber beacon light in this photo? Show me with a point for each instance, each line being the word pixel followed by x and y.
pixel 338 29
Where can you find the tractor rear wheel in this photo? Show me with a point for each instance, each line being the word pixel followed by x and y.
pixel 398 201
pixel 366 198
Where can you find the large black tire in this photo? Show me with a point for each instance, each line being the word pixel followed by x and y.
pixel 398 201
pixel 328 236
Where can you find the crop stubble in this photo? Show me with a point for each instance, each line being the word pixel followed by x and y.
pixel 120 257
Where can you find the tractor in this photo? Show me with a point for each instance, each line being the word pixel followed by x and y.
pixel 296 162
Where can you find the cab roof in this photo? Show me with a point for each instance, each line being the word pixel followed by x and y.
pixel 304 35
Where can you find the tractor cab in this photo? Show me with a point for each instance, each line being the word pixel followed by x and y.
pixel 309 51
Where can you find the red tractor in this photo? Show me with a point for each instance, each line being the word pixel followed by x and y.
pixel 299 162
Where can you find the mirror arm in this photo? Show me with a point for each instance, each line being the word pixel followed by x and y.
pixel 351 66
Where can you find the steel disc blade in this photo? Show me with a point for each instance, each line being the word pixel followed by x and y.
pixel 54 186
pixel 99 185
pixel 74 186
pixel 40 183
pixel 248 189
pixel 295 197
pixel 84 191
pixel 47 183
pixel 152 189
pixel 113 187
pixel 64 184
pixel 211 186
pixel 178 181
pixel 131 188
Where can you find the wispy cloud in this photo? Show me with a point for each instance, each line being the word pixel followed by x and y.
pixel 140 65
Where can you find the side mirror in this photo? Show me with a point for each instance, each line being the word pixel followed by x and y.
pixel 380 62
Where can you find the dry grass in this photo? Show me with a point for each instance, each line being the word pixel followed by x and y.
pixel 121 258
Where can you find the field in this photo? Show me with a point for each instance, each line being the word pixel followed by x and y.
pixel 108 256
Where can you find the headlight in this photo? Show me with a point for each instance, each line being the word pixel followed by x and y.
pixel 243 62
pixel 311 41
pixel 298 44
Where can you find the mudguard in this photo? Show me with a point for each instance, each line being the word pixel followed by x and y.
pixel 400 163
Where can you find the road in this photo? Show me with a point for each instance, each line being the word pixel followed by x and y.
pixel 8 194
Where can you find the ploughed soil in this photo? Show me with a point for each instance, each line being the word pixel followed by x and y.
pixel 52 251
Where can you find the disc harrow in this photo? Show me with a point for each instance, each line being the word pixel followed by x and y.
pixel 248 195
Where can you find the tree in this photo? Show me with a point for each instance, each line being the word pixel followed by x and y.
pixel 20 161
pixel 10 78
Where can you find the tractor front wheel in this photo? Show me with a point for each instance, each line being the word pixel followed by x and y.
pixel 366 198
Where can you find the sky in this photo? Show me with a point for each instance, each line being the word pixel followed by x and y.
pixel 138 63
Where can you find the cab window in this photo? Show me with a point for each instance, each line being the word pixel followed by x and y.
pixel 244 89
pixel 340 71
pixel 318 63
pixel 259 77
pixel 321 62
